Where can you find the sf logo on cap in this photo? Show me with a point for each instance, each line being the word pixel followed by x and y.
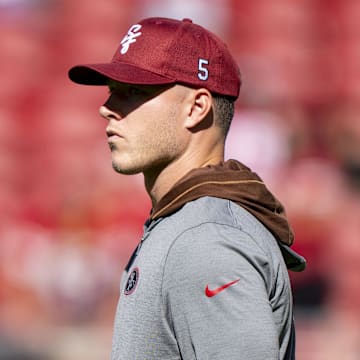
pixel 130 38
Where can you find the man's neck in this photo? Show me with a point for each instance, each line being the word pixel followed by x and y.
pixel 158 183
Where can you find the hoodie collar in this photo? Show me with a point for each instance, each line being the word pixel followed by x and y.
pixel 234 181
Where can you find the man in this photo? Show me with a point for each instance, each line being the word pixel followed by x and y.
pixel 208 279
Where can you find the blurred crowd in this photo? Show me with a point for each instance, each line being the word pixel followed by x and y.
pixel 68 222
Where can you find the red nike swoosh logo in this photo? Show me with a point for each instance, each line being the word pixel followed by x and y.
pixel 211 293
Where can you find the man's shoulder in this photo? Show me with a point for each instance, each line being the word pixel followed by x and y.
pixel 203 209
pixel 214 210
pixel 210 220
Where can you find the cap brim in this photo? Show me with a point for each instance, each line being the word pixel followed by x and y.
pixel 98 74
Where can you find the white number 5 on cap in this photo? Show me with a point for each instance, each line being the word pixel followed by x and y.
pixel 203 73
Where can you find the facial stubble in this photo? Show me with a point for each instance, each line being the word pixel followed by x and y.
pixel 155 148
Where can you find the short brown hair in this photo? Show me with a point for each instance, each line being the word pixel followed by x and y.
pixel 223 107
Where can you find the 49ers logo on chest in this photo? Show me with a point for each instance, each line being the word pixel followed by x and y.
pixel 132 281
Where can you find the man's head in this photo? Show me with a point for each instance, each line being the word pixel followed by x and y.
pixel 168 81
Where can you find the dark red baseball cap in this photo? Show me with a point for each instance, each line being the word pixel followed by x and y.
pixel 166 51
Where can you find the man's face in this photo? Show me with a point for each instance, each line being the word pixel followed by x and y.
pixel 144 130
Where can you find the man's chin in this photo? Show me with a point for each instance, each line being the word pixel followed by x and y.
pixel 125 170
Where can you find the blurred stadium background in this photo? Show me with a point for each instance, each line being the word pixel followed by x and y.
pixel 68 223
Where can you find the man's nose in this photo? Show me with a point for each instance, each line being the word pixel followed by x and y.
pixel 108 114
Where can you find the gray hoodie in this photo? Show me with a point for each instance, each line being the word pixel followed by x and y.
pixel 208 279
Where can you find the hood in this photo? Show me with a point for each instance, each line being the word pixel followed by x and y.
pixel 234 181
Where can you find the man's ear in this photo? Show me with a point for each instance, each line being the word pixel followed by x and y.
pixel 201 107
